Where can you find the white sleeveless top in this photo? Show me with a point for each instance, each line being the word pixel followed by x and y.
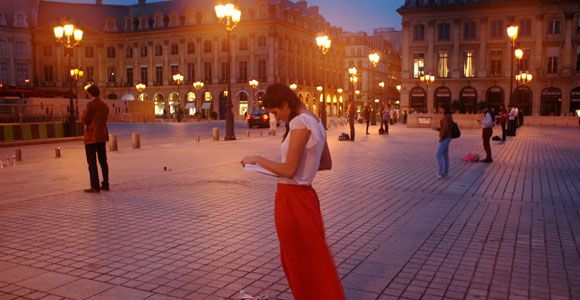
pixel 310 161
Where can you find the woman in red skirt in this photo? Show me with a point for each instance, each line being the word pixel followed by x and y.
pixel 305 256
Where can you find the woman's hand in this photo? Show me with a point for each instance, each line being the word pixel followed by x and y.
pixel 250 160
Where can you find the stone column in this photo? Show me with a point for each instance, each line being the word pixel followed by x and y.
pixel 457 56
pixel 405 74
pixel 481 61
pixel 272 44
pixel 166 80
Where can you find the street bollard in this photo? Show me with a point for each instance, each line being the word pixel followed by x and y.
pixel 261 132
pixel 197 138
pixel 57 152
pixel 215 132
pixel 18 154
pixel 136 140
pixel 113 142
pixel 248 133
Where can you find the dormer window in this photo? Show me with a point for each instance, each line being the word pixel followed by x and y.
pixel 110 25
pixel 190 17
pixel 2 19
pixel 174 20
pixel 158 21
pixel 20 20
pixel 143 23
pixel 128 24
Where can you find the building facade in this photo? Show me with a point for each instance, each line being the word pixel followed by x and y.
pixel 150 42
pixel 464 44
pixel 358 47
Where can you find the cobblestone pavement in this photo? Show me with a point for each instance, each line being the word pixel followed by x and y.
pixel 205 229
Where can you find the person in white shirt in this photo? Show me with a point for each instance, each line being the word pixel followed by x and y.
pixel 487 132
pixel 273 124
pixel 512 116
pixel 305 256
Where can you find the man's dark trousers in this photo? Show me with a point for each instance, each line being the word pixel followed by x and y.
pixel 503 131
pixel 92 151
pixel 351 125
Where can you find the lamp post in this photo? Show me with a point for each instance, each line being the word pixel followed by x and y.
pixel 353 80
pixel 523 78
pixel 230 16
pixel 178 80
pixel 69 37
pixel 140 87
pixel 339 91
pixel 427 79
pixel 323 43
pixel 373 116
pixel 512 33
pixel 374 59
pixel 198 85
pixel 254 85
pixel 320 89
pixel 76 74
pixel 293 87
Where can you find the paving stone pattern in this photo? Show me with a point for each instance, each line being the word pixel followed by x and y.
pixel 204 229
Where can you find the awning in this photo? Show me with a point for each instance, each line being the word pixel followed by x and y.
pixel 206 105
pixel 189 105
pixel 128 97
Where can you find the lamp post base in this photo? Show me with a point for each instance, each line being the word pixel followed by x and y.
pixel 230 135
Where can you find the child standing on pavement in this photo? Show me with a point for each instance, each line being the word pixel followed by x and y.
pixel 305 256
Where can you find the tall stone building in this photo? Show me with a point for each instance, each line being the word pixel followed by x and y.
pixel 149 42
pixel 464 44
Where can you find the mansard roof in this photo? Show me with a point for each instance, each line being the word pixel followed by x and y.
pixel 411 4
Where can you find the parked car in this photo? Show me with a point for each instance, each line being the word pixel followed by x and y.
pixel 260 118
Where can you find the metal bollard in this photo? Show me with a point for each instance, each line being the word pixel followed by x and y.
pixel 261 132
pixel 197 138
pixel 113 142
pixel 57 152
pixel 215 132
pixel 18 154
pixel 136 140
pixel 248 133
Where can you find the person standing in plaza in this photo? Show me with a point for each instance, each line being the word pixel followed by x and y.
pixel 386 118
pixel 487 132
pixel 351 118
pixel 503 117
pixel 512 121
pixel 273 124
pixel 445 134
pixel 305 256
pixel 367 115
pixel 96 136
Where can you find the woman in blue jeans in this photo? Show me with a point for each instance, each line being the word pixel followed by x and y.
pixel 444 129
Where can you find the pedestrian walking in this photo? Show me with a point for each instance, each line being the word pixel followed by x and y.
pixel 487 132
pixel 306 258
pixel 273 123
pixel 386 118
pixel 520 117
pixel 503 117
pixel 405 117
pixel 351 118
pixel 96 135
pixel 445 136
pixel 367 115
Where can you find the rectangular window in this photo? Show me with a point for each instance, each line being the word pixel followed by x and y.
pixel 225 68
pixel 129 52
pixel 469 31
pixel 89 52
pixel 190 72
pixel 443 65
pixel 243 44
pixel 174 70
pixel 143 51
pixel 497 29
pixel 469 64
pixel 418 64
pixel 496 63
pixel 21 73
pixel 554 26
pixel 129 76
pixel 207 47
pixel 525 27
pixel 89 73
pixel 225 45
pixel 48 73
pixel 111 74
pixel 3 72
pixel 243 72
pixel 144 75
pixel 111 52
pixel 553 65
pixel 158 50
pixel 190 48
pixel 262 42
pixel 174 49
pixel 20 49
pixel 419 32
pixel 158 75
pixel 3 49
pixel 207 72
pixel 262 71
pixel 444 31
pixel 577 60
pixel 47 50
pixel 578 25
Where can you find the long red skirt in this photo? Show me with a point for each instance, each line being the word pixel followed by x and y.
pixel 306 258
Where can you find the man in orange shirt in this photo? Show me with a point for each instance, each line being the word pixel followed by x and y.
pixel 96 136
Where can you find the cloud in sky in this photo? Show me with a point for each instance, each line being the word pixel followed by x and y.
pixel 351 15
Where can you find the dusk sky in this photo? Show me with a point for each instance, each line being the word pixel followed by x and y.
pixel 351 15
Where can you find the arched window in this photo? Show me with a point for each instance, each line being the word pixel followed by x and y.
pixel 20 20
pixel 158 21
pixel 2 19
pixel 418 99
pixel 143 25
pixel 551 102
pixel 129 24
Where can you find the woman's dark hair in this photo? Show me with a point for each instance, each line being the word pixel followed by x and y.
pixel 446 108
pixel 276 95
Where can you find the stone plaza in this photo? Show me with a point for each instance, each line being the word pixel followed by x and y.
pixel 204 228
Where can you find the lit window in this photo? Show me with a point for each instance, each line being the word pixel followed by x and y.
pixel 443 66
pixel 418 64
pixel 468 66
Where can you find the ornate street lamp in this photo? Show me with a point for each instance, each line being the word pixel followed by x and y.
pixel 69 37
pixel 398 87
pixel 523 78
pixel 427 79
pixel 374 58
pixel 254 85
pixel 293 87
pixel 76 74
pixel 140 87
pixel 323 43
pixel 198 85
pixel 353 80
pixel 512 33
pixel 229 16
pixel 340 108
pixel 178 80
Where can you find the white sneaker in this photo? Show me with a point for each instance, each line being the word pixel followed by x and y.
pixel 439 176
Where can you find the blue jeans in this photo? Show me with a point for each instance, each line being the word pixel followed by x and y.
pixel 443 156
